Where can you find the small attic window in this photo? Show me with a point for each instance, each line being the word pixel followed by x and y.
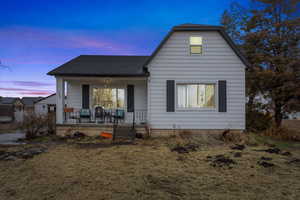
pixel 195 45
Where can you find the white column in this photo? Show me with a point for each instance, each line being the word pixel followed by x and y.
pixel 60 100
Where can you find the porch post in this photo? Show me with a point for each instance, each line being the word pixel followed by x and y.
pixel 60 100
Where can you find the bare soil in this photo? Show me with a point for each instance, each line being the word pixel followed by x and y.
pixel 149 169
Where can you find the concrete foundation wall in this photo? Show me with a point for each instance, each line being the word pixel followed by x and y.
pixel 95 130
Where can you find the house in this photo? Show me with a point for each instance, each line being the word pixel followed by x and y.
pixel 194 81
pixel 45 105
pixel 11 110
pixel 28 103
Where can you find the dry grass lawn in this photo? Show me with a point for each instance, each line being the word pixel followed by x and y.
pixel 147 170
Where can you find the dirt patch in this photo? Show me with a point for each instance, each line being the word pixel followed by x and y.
pixel 270 150
pixel 186 148
pixel 238 147
pixel 287 153
pixel 237 154
pixel 265 164
pixel 295 161
pixel 221 161
pixel 266 158
pixel 273 150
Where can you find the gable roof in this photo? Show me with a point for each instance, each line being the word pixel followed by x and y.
pixel 200 27
pixel 8 100
pixel 103 65
pixel 29 101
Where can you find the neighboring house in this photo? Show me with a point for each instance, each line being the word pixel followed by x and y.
pixel 45 105
pixel 28 103
pixel 194 81
pixel 294 115
pixel 11 110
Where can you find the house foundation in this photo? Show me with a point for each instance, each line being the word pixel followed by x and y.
pixel 96 129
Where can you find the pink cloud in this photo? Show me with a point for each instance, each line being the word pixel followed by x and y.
pixel 22 91
pixel 63 39
pixel 29 83
pixel 48 46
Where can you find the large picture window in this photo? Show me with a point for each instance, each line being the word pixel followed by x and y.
pixel 196 95
pixel 109 97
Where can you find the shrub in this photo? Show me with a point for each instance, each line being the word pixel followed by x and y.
pixel 257 121
pixel 35 125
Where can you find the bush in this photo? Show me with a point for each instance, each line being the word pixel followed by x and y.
pixel 258 121
pixel 35 125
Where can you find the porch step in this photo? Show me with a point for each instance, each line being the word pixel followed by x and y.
pixel 123 132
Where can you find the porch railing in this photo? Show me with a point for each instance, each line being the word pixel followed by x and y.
pixel 140 116
pixel 72 116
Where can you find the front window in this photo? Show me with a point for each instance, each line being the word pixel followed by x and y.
pixel 109 97
pixel 196 95
pixel 195 45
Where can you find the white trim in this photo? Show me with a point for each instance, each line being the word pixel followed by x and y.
pixel 215 109
pixel 189 46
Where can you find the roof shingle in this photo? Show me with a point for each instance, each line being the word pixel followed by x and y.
pixel 103 65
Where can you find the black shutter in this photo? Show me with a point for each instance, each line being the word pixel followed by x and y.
pixel 170 95
pixel 85 96
pixel 130 98
pixel 222 96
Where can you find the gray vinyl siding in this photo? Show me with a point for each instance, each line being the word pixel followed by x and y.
pixel 218 62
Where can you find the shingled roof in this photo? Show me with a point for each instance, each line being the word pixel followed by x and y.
pixel 29 101
pixel 103 65
pixel 8 100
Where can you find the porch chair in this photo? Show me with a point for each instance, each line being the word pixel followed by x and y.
pixel 119 115
pixel 85 114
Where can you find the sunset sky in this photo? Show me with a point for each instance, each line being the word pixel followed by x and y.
pixel 39 35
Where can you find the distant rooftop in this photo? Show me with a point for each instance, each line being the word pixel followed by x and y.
pixel 8 100
pixel 29 101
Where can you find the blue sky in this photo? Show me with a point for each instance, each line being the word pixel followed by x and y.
pixel 39 35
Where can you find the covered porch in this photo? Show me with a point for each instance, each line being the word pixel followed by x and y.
pixel 101 100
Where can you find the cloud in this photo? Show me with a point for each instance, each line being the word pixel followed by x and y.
pixel 22 91
pixel 28 83
pixel 29 45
